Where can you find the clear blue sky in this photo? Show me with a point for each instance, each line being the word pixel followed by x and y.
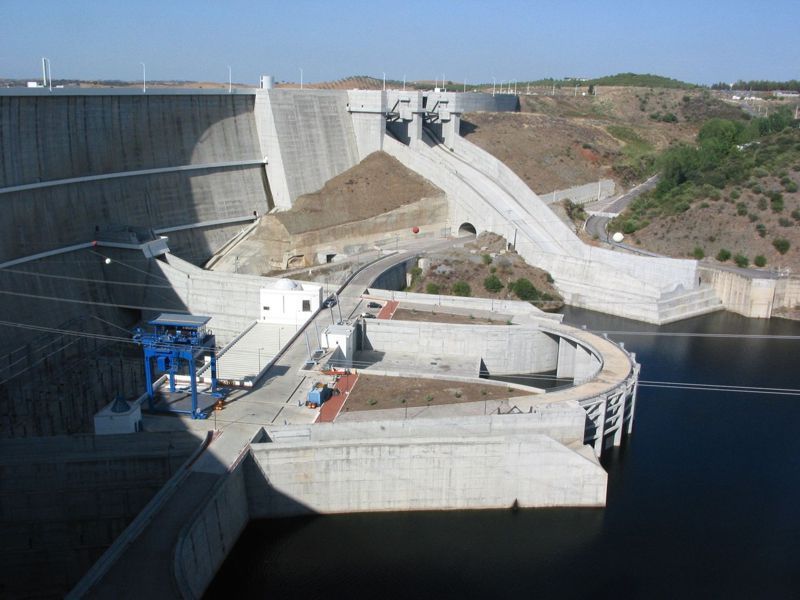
pixel 701 41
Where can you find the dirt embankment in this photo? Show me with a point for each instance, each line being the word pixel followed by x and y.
pixel 378 196
pixel 376 185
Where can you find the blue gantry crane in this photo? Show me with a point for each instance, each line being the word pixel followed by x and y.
pixel 177 339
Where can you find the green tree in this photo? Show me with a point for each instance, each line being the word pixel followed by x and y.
pixel 760 261
pixel 461 288
pixel 433 288
pixel 525 290
pixel 723 255
pixel 493 284
pixel 699 253
pixel 782 245
pixel 741 260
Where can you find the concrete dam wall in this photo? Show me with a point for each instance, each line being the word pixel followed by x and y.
pixel 56 149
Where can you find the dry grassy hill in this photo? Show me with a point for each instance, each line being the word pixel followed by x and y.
pixel 556 142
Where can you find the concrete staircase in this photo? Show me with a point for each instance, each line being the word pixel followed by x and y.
pixel 244 360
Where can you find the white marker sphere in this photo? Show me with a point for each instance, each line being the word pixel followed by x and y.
pixel 618 237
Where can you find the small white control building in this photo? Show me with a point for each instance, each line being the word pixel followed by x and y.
pixel 289 302
pixel 341 339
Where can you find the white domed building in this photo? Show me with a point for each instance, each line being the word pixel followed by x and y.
pixel 289 302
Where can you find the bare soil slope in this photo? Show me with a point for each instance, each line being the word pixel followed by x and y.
pixel 376 185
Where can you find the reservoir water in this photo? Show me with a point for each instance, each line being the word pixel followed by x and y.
pixel 703 500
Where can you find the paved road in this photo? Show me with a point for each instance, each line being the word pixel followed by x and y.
pixel 596 223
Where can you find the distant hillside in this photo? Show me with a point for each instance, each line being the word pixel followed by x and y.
pixel 618 80
pixel 558 141
pixel 639 80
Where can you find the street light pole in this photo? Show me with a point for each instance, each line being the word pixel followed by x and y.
pixel 144 78
pixel 230 80
pixel 384 82
pixel 47 73
pixel 494 83
pixel 301 78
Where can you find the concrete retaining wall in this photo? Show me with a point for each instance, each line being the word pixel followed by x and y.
pixel 744 295
pixel 787 293
pixel 413 465
pixel 474 101
pixel 209 536
pixel 581 194
pixel 504 349
pixel 509 307
pixel 232 300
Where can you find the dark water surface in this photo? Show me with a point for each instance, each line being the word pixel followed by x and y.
pixel 703 501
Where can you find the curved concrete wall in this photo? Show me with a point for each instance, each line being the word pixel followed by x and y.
pixel 53 217
pixel 504 349
pixel 45 138
pixel 419 464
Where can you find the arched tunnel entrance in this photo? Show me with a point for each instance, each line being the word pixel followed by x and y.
pixel 466 229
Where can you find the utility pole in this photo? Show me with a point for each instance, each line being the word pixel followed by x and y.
pixel 494 83
pixel 144 78
pixel 301 78
pixel 230 80
pixel 46 72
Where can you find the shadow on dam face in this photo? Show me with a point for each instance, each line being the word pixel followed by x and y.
pixel 443 553
pixel 72 136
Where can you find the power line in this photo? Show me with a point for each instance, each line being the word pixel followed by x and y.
pixel 181 310
pixel 674 385
pixel 738 336
pixel 87 279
